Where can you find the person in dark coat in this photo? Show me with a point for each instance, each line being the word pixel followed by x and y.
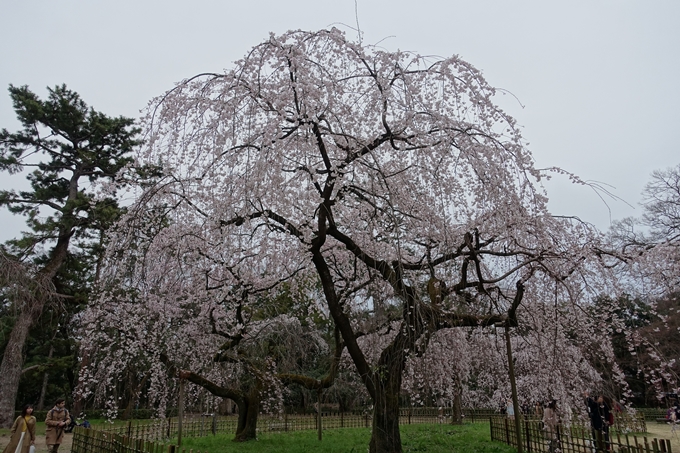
pixel 598 411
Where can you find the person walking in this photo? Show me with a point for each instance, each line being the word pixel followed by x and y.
pixel 57 419
pixel 23 432
pixel 598 411
pixel 510 409
pixel 550 421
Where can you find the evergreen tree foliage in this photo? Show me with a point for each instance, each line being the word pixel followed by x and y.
pixel 70 155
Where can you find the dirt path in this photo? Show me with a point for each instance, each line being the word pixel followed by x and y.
pixel 40 446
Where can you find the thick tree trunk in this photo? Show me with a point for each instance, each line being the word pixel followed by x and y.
pixel 457 409
pixel 242 414
pixel 248 404
pixel 134 396
pixel 386 437
pixel 457 412
pixel 248 410
pixel 12 362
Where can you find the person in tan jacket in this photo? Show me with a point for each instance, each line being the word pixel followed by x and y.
pixel 57 419
pixel 23 432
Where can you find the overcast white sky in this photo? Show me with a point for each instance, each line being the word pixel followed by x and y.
pixel 598 81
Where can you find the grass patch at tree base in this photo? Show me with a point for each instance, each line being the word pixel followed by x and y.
pixel 415 438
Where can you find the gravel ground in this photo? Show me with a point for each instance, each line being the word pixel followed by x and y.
pixel 40 446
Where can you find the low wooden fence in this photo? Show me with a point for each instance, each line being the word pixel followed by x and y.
pixel 574 438
pixel 87 440
pixel 154 436
pixel 625 422
pixel 652 413
pixel 478 415
pixel 197 425
pixel 161 429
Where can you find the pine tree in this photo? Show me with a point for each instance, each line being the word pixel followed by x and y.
pixel 68 148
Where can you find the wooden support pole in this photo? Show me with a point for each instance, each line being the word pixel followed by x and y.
pixel 319 393
pixel 513 387
pixel 180 411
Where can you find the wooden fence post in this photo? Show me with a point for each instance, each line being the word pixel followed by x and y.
pixel 507 431
pixel 180 412
pixel 318 397
pixel 491 428
pixel 526 431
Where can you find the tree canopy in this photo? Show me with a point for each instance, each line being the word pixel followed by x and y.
pixel 389 178
pixel 69 152
pixel 648 262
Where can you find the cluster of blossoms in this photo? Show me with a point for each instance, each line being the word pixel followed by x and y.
pixel 384 188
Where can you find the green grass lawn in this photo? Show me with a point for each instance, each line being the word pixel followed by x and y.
pixel 415 438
